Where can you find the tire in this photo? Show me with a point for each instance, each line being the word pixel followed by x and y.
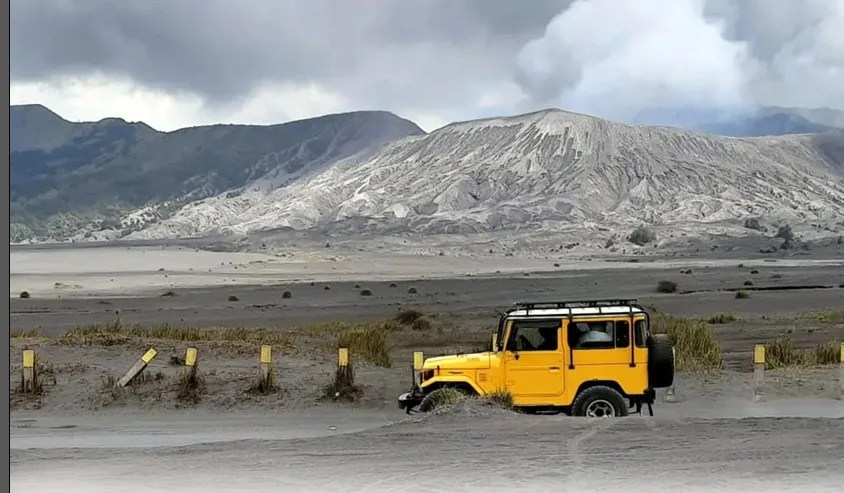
pixel 660 361
pixel 600 401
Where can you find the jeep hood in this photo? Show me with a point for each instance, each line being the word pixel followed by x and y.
pixel 476 361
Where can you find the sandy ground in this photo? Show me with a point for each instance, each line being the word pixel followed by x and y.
pixel 477 452
pixel 81 434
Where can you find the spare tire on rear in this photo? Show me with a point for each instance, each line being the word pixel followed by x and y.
pixel 660 361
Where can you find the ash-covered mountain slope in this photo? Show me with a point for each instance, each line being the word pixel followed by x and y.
pixel 543 171
pixel 65 176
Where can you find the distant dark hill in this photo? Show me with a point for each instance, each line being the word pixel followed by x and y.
pixel 64 174
pixel 766 121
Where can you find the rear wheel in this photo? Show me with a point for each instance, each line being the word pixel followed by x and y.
pixel 600 401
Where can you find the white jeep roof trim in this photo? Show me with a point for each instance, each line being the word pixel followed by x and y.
pixel 574 312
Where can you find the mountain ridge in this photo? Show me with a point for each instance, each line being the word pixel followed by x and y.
pixel 541 170
pixel 375 172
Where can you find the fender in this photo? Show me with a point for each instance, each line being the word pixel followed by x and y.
pixel 447 379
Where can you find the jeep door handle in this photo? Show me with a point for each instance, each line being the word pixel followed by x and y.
pixel 554 368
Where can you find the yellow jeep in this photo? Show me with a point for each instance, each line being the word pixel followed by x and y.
pixel 584 358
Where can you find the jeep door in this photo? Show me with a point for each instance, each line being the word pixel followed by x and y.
pixel 599 348
pixel 533 359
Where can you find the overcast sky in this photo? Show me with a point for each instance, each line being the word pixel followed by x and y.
pixel 176 63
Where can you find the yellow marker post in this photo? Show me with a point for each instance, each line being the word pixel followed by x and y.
pixel 149 355
pixel 418 360
pixel 190 357
pixel 343 357
pixel 266 363
pixel 266 354
pixel 759 354
pixel 841 372
pixel 29 377
pixel 137 368
pixel 758 371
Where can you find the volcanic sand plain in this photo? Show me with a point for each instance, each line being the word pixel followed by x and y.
pixel 293 436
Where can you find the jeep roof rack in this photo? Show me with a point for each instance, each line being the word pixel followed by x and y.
pixel 539 305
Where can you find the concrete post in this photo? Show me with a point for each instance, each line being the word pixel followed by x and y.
pixel 137 368
pixel 758 371
pixel 28 382
pixel 266 362
pixel 841 372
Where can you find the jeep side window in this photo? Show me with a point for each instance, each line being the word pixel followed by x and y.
pixel 622 334
pixel 641 333
pixel 592 335
pixel 534 335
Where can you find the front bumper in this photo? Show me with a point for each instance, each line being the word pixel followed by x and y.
pixel 410 400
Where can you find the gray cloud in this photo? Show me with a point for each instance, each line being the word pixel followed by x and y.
pixel 618 58
pixel 609 57
pixel 425 53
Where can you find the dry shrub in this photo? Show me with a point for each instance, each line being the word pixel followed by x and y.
pixel 110 389
pixel 264 385
pixel 500 398
pixel 831 317
pixel 666 287
pixel 368 342
pixel 827 354
pixel 449 396
pixel 782 353
pixel 446 396
pixel 641 236
pixel 191 385
pixel 722 318
pixel 25 334
pixel 407 317
pixel 24 295
pixel 343 387
pixel 742 295
pixel 116 332
pixel 696 346
pixel 109 334
pixel 421 325
pixel 36 388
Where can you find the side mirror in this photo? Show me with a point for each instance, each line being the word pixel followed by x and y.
pixel 494 343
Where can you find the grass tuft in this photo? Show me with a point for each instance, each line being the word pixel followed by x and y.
pixel 448 396
pixel 368 342
pixel 264 385
pixel 666 287
pixel 407 317
pixel 722 318
pixel 742 295
pixel 191 385
pixel 695 343
pixel 343 387
pixel 115 333
pixel 782 353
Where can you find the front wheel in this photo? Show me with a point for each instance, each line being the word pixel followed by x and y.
pixel 600 402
